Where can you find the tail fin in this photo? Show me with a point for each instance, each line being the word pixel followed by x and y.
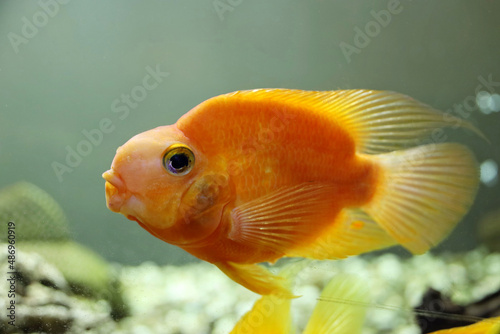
pixel 271 313
pixel 328 317
pixel 423 193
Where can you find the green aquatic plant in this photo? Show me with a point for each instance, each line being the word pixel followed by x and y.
pixel 42 227
pixel 36 214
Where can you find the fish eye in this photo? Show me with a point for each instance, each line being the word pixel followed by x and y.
pixel 178 159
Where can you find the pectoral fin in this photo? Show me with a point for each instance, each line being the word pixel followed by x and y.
pixel 257 279
pixel 282 219
pixel 303 221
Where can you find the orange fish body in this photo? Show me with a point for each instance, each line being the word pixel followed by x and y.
pixel 254 176
pixel 263 151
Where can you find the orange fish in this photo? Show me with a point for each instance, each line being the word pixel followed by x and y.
pixel 271 314
pixel 254 176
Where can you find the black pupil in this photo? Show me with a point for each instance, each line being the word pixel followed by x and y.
pixel 179 161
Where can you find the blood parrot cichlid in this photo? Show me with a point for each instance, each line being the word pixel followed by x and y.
pixel 254 176
pixel 341 309
pixel 271 314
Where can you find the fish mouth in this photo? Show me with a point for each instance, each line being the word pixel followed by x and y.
pixel 116 191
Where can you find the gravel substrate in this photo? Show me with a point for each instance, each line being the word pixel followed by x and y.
pixel 198 298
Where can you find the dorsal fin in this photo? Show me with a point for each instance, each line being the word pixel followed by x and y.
pixel 380 121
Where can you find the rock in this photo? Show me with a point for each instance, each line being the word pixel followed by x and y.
pixel 87 273
pixel 44 302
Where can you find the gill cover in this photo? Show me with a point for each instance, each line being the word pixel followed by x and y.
pixel 202 207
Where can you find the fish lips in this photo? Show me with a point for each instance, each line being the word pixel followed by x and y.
pixel 116 191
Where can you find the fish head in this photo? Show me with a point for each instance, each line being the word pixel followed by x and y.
pixel 160 180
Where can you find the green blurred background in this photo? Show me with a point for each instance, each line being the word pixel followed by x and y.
pixel 64 64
